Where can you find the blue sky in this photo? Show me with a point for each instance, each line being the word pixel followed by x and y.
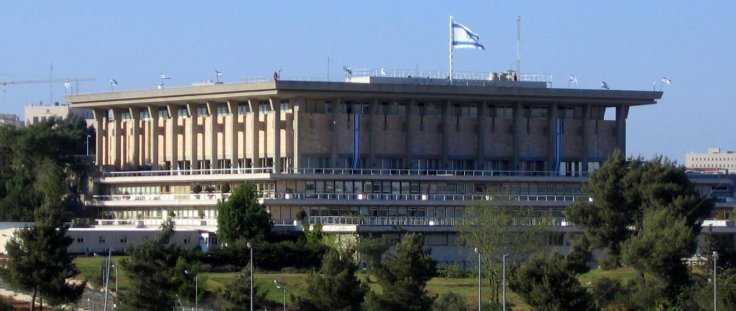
pixel 629 44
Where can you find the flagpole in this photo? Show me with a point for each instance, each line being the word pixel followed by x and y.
pixel 451 39
pixel 518 43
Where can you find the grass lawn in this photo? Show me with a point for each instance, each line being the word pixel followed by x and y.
pixel 90 268
pixel 622 274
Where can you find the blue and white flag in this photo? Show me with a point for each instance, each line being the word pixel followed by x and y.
pixel 464 38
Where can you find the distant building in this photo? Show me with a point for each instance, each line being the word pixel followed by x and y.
pixel 41 113
pixel 714 160
pixel 10 119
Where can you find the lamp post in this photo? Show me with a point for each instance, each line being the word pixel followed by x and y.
pixel 196 288
pixel 107 277
pixel 88 136
pixel 250 247
pixel 282 287
pixel 715 281
pixel 479 300
pixel 503 285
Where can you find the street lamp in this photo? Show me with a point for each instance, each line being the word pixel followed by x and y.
pixel 88 136
pixel 715 281
pixel 107 277
pixel 196 288
pixel 250 247
pixel 282 287
pixel 503 286
pixel 479 300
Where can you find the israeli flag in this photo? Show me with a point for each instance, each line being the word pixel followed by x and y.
pixel 464 38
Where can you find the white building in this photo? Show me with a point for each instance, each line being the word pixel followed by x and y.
pixel 714 160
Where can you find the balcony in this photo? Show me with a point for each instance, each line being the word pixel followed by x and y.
pixel 271 198
pixel 412 221
pixel 336 171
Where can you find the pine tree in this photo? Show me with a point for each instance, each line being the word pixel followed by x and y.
pixel 236 295
pixel 37 256
pixel 335 287
pixel 150 269
pixel 403 278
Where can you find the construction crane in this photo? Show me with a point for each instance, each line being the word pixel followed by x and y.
pixel 67 84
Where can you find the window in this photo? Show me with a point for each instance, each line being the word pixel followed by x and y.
pixel 504 112
pixel 222 110
pixel 567 113
pixel 124 240
pixel 145 115
pixel 80 240
pixel 433 109
pixel 329 107
pixel 183 113
pixel 285 107
pixel 243 108
pixel 125 115
pixel 163 113
pixel 264 106
pixel 102 240
pixel 538 112
pixel 202 111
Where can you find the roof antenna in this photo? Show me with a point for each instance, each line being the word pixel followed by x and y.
pixel 218 74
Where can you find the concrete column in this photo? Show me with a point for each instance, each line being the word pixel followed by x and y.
pixel 551 136
pixel 135 114
pixel 411 116
pixel 295 124
pixel 276 134
pixel 212 110
pixel 446 128
pixel 116 143
pixel 480 155
pixel 335 131
pixel 622 112
pixel 153 149
pixel 584 155
pixel 253 130
pixel 232 107
pixel 100 115
pixel 516 139
pixel 373 135
pixel 192 134
pixel 171 133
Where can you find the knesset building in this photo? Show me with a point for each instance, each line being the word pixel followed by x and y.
pixel 373 154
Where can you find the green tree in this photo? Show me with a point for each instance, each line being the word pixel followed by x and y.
pixel 545 284
pixel 236 294
pixel 241 216
pixel 37 256
pixel 150 269
pixel 621 191
pixel 450 301
pixel 335 287
pixel 659 248
pixel 607 217
pixel 22 150
pixel 403 278
pixel 185 273
pixel 497 227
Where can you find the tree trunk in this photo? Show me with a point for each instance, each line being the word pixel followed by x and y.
pixel 33 299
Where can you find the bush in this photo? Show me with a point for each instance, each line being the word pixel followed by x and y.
pixel 225 188
pixel 451 302
pixel 196 189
